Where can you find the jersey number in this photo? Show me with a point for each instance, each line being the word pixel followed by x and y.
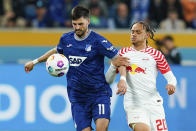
pixel 161 125
pixel 101 109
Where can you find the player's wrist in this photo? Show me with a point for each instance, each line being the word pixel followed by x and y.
pixel 35 61
pixel 123 78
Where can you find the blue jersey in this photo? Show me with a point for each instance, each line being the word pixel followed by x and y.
pixel 85 78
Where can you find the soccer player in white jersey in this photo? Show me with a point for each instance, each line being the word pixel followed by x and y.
pixel 142 102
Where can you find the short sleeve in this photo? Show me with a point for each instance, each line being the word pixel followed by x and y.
pixel 106 48
pixel 60 46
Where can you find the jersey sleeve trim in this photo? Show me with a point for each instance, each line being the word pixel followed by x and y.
pixel 162 64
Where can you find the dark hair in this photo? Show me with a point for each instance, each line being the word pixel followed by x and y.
pixel 147 27
pixel 79 11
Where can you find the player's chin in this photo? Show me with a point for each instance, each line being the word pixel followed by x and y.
pixel 134 42
pixel 79 33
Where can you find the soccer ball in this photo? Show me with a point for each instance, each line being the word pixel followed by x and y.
pixel 57 65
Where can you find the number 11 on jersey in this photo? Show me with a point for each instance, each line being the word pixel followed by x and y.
pixel 101 109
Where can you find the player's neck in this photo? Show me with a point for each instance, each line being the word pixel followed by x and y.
pixel 139 46
pixel 87 31
pixel 85 34
pixel 83 37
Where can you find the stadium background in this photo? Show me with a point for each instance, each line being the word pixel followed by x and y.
pixel 38 101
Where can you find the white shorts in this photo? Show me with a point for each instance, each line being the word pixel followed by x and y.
pixel 152 115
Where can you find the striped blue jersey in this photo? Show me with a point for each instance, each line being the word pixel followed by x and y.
pixel 85 78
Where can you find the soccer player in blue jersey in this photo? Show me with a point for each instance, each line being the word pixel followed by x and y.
pixel 88 91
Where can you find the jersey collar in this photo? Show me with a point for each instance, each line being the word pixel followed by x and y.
pixel 80 39
pixel 143 50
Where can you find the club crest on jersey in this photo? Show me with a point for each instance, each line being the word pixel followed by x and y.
pixel 76 60
pixel 88 48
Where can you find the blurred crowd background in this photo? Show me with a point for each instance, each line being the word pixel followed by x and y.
pixel 112 14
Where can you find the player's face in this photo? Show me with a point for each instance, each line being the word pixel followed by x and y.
pixel 81 26
pixel 138 34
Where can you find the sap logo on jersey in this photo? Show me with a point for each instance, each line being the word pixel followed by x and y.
pixel 76 60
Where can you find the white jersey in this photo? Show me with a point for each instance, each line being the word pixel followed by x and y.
pixel 141 75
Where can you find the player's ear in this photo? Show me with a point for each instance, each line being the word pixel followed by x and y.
pixel 147 35
pixel 88 21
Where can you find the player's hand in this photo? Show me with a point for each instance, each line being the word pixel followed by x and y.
pixel 28 66
pixel 120 61
pixel 122 87
pixel 170 89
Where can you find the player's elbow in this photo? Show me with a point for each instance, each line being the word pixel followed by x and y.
pixel 108 80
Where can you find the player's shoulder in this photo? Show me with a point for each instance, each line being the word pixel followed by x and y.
pixel 68 34
pixel 154 53
pixel 101 41
pixel 125 50
pixel 97 36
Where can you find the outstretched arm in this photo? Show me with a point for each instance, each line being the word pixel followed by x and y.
pixel 29 65
pixel 171 80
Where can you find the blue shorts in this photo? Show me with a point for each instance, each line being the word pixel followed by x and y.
pixel 83 113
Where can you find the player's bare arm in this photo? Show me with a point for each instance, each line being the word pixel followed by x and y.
pixel 29 65
pixel 122 85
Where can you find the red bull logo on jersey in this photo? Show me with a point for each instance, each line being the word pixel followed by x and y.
pixel 133 69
